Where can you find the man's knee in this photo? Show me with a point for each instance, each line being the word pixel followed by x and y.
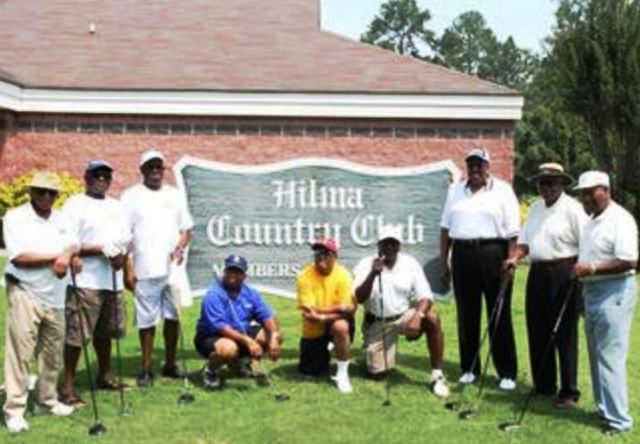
pixel 340 329
pixel 432 324
pixel 226 350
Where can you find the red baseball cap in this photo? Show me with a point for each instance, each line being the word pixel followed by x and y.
pixel 326 244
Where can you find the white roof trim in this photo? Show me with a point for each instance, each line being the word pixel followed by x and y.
pixel 262 104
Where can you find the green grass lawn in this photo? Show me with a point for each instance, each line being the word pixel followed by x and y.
pixel 246 413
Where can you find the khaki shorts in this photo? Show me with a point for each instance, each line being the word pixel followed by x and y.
pixel 372 334
pixel 99 310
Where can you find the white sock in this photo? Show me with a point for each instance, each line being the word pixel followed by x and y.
pixel 436 373
pixel 343 369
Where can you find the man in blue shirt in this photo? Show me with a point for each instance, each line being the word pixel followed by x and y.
pixel 234 322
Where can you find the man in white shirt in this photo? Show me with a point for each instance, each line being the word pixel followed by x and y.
pixel 550 238
pixel 101 227
pixel 607 258
pixel 405 306
pixel 160 226
pixel 480 224
pixel 40 249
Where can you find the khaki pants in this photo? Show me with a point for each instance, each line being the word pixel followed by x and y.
pixel 32 330
pixel 372 334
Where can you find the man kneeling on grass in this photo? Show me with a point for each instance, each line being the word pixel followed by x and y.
pixel 398 300
pixel 234 323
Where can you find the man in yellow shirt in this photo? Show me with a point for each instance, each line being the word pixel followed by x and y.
pixel 325 297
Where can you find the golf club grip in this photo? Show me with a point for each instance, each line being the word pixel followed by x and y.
pixel 114 287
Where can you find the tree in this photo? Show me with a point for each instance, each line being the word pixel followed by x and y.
pixel 595 67
pixel 401 27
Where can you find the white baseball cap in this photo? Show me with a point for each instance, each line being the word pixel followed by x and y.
pixel 390 232
pixel 590 179
pixel 150 155
pixel 480 153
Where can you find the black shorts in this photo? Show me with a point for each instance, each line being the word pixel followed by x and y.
pixel 204 343
pixel 314 355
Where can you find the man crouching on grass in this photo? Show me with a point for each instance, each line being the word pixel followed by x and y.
pixel 227 329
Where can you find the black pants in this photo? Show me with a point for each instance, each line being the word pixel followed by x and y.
pixel 547 287
pixel 476 269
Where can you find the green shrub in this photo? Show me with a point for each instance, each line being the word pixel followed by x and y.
pixel 16 191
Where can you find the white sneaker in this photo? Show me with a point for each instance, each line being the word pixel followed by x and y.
pixel 507 384
pixel 16 424
pixel 439 387
pixel 60 409
pixel 467 378
pixel 343 383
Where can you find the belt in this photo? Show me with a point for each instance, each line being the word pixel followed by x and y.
pixel 478 242
pixel 11 279
pixel 370 318
pixel 552 263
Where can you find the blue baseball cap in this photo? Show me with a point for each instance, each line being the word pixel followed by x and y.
pixel 97 164
pixel 235 261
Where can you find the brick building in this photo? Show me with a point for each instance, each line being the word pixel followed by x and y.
pixel 241 81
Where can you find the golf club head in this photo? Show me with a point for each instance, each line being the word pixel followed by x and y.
pixel 386 403
pixel 452 405
pixel 467 414
pixel 98 429
pixel 282 397
pixel 126 410
pixel 186 398
pixel 262 380
pixel 507 426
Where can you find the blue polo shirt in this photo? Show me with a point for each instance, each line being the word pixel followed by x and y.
pixel 219 310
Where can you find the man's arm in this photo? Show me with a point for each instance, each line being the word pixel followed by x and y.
pixel 178 252
pixel 615 266
pixel 364 290
pixel 445 246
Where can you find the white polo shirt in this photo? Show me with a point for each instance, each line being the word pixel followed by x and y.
pixel 402 285
pixel 611 235
pixel 27 233
pixel 98 222
pixel 492 212
pixel 155 218
pixel 553 232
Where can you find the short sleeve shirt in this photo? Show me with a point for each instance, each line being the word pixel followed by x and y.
pixel 553 232
pixel 317 291
pixel 402 285
pixel 98 222
pixel 25 232
pixel 155 219
pixel 613 234
pixel 491 212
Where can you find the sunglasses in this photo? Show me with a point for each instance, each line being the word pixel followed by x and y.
pixel 547 182
pixel 321 254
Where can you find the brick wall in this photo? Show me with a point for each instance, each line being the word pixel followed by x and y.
pixel 66 142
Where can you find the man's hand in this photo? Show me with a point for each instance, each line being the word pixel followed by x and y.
pixel 117 262
pixel 178 255
pixel 255 349
pixel 509 267
pixel 76 264
pixel 274 348
pixel 581 269
pixel 377 265
pixel 312 316
pixel 445 272
pixel 414 326
pixel 61 265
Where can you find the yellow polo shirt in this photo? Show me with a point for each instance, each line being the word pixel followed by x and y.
pixel 317 291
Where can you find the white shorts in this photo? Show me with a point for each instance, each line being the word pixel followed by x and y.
pixel 154 301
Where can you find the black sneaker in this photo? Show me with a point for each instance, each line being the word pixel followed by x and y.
pixel 210 379
pixel 145 379
pixel 609 430
pixel 172 372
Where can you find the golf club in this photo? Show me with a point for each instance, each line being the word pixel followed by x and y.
pixel 387 386
pixel 186 397
pixel 124 406
pixel 264 379
pixel 515 424
pixel 97 429
pixel 455 405
pixel 471 411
